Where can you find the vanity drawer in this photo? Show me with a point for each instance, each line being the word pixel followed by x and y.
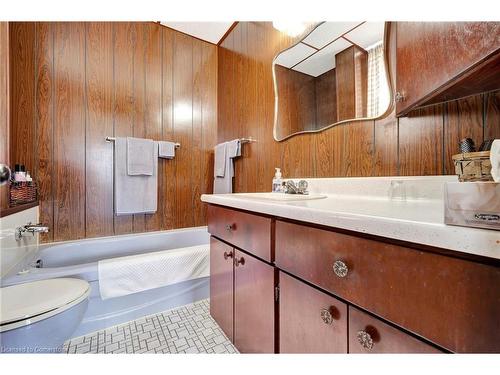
pixel 413 289
pixel 246 231
pixel 371 335
pixel 310 321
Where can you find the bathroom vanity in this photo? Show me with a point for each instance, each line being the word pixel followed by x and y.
pixel 282 282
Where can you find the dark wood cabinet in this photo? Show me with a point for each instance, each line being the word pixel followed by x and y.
pixel 242 298
pixel 415 289
pixel 371 335
pixel 246 231
pixel 254 304
pixel 221 285
pixel 415 298
pixel 440 61
pixel 310 321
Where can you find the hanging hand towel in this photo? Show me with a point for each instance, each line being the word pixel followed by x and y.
pixel 134 194
pixel 220 160
pixel 166 150
pixel 140 156
pixel 224 185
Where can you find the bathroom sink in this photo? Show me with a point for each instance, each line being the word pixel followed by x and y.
pixel 279 197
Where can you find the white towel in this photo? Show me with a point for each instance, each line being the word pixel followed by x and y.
pixel 220 160
pixel 136 273
pixel 134 194
pixel 166 150
pixel 224 185
pixel 140 156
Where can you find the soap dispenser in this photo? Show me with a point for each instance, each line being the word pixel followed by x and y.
pixel 277 181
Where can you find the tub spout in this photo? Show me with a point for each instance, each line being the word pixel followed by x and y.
pixel 31 228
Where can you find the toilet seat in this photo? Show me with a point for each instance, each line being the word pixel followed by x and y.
pixel 27 303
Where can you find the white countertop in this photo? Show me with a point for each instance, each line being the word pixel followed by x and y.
pixel 414 219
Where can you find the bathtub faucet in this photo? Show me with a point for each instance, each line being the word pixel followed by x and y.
pixel 31 228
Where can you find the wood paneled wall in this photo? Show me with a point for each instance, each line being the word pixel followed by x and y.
pixel 78 82
pixel 297 99
pixel 4 106
pixel 420 144
pixel 306 103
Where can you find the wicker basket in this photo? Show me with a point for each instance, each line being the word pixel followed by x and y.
pixel 473 166
pixel 21 192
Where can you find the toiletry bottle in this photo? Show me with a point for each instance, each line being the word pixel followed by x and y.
pixel 277 181
pixel 18 177
pixel 23 173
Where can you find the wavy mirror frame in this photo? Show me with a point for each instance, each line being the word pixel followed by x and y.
pixel 387 31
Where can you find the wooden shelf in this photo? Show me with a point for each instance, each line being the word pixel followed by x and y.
pixel 15 209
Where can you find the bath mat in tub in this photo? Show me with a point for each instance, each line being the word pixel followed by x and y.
pixel 136 273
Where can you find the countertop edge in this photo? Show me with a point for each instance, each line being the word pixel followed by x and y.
pixel 475 241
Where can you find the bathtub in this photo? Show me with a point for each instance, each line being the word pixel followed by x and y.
pixel 79 259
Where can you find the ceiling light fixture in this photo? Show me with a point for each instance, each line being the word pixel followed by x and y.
pixel 291 28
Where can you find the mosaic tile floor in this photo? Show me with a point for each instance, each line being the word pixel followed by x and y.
pixel 186 329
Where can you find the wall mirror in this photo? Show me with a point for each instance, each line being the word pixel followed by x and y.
pixel 335 73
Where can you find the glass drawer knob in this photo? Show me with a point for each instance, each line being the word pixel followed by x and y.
pixel 365 340
pixel 326 316
pixel 340 268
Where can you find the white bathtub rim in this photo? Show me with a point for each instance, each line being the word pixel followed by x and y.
pixel 86 271
pixel 121 236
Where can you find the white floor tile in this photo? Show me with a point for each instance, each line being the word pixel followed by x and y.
pixel 187 329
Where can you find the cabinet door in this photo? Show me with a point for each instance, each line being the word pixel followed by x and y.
pixel 254 305
pixel 430 55
pixel 370 335
pixel 221 285
pixel 310 321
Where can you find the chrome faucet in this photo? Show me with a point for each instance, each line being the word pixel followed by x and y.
pixel 31 228
pixel 291 188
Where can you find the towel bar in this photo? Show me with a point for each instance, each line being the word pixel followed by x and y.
pixel 112 139
pixel 247 140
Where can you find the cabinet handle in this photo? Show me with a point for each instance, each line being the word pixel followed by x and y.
pixel 229 227
pixel 326 316
pixel 228 255
pixel 399 97
pixel 237 262
pixel 365 340
pixel 340 268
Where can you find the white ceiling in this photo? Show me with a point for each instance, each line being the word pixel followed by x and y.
pixel 328 31
pixel 324 60
pixel 209 31
pixel 305 59
pixel 367 34
pixel 292 56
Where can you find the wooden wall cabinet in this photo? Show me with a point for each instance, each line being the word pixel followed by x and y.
pixel 242 299
pixel 441 61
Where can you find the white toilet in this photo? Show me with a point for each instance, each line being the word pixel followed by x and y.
pixel 39 316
